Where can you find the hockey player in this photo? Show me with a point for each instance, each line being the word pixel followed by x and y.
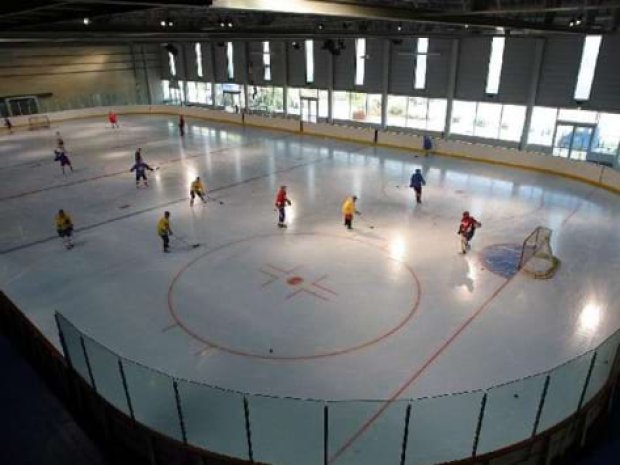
pixel 59 142
pixel 416 183
pixel 64 227
pixel 140 168
pixel 282 202
pixel 467 229
pixel 197 189
pixel 164 231
pixel 181 125
pixel 138 155
pixel 113 119
pixel 8 124
pixel 349 211
pixel 427 144
pixel 61 156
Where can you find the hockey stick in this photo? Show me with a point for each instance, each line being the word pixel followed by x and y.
pixel 213 199
pixel 183 241
pixel 363 220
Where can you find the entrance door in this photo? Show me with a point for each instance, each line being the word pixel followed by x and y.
pixel 232 101
pixel 573 140
pixel 309 109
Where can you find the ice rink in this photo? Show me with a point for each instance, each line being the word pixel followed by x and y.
pixel 389 310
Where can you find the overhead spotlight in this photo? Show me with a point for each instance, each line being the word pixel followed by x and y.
pixel 170 23
pixel 296 45
pixel 162 23
pixel 578 21
pixel 222 24
pixel 230 24
pixel 320 26
pixel 466 26
pixel 399 27
pixel 571 23
pixel 86 21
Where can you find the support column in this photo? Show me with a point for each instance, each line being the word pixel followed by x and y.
pixel 286 76
pixel 212 53
pixel 387 53
pixel 149 98
pixel 454 63
pixel 138 89
pixel 533 91
pixel 330 89
pixel 185 71
pixel 246 78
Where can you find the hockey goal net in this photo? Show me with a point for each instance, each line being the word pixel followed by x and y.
pixel 38 122
pixel 537 259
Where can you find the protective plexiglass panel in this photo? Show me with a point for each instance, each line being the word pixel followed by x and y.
pixel 214 419
pixel 363 433
pixel 152 398
pixel 286 431
pixel 442 429
pixel 73 346
pixel 104 365
pixel 605 355
pixel 562 400
pixel 510 413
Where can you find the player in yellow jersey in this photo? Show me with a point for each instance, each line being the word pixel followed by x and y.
pixel 164 231
pixel 349 211
pixel 197 189
pixel 64 227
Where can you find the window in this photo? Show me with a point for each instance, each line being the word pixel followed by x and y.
pixel 607 137
pixel 309 61
pixel 436 120
pixel 486 123
pixel 198 49
pixel 589 56
pixel 230 64
pixel 204 93
pixel 165 89
pixel 172 64
pixel 342 107
pixel 542 126
pixel 356 106
pixel 463 116
pixel 266 99
pixel 577 116
pixel 495 65
pixel 230 96
pixel 511 127
pixel 417 113
pixel 192 92
pixel 397 111
pixel 420 65
pixel 266 61
pixel 295 96
pixel 360 61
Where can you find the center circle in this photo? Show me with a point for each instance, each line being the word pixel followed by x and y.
pixel 297 296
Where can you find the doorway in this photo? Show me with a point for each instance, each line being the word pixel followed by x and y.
pixel 309 109
pixel 572 140
pixel 232 101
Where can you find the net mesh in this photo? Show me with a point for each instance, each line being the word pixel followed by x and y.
pixel 38 122
pixel 537 259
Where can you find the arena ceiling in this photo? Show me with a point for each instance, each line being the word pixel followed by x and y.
pixel 158 19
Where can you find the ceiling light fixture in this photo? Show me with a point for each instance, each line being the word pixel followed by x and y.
pixel 399 27
pixel 230 24
pixel 320 26
pixel 170 23
pixel 162 23
pixel 86 21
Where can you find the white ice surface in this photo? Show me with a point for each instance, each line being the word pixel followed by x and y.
pixel 116 283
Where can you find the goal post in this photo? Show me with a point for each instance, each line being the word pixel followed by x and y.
pixel 537 259
pixel 38 122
